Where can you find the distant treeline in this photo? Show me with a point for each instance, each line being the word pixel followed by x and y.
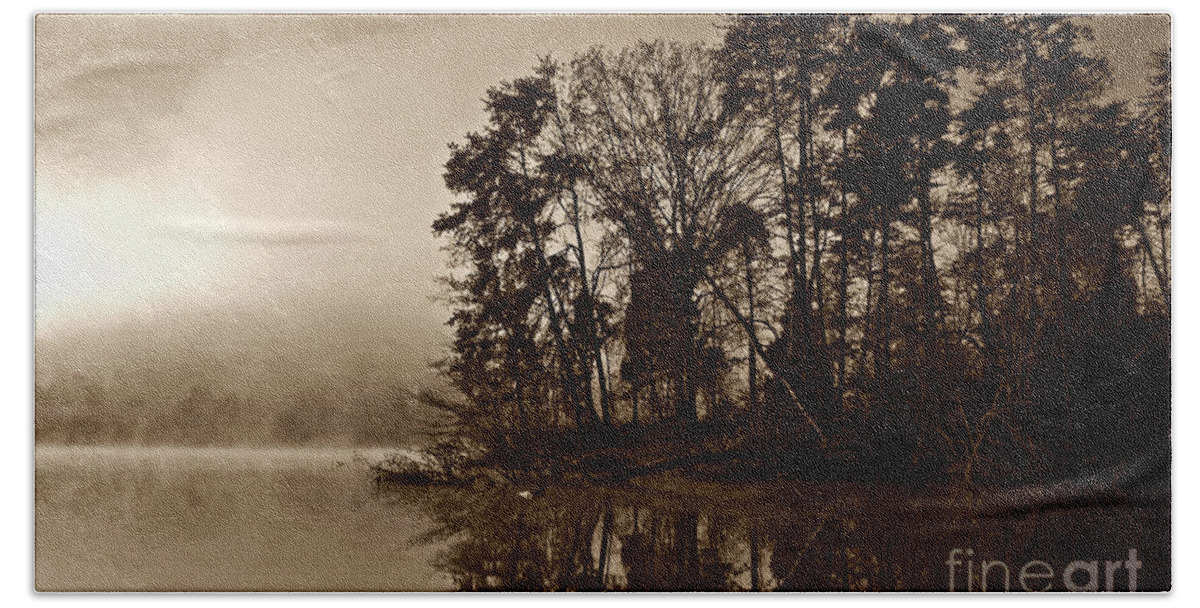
pixel 937 241
pixel 85 410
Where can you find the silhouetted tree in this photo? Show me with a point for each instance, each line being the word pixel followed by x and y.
pixel 913 228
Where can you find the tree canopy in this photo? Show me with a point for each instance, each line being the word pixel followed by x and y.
pixel 931 240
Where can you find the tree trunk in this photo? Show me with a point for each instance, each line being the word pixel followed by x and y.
pixel 752 359
pixel 588 311
pixel 844 281
pixel 772 365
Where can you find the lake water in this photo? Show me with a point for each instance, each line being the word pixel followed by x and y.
pixel 269 520
pixel 223 519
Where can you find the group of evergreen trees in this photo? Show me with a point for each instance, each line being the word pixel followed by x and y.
pixel 942 238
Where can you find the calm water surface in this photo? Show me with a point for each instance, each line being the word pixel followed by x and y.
pixel 223 519
pixel 236 519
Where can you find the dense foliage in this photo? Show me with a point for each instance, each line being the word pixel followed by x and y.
pixel 928 244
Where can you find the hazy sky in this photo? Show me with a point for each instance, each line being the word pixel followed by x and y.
pixel 265 184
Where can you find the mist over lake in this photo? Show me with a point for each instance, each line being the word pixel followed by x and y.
pixel 175 519
pixel 710 302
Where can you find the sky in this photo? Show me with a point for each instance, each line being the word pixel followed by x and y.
pixel 253 186
pixel 260 188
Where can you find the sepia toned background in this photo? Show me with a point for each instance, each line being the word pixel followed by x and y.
pixel 233 248
pixel 259 189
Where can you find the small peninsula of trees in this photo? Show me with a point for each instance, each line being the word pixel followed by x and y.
pixel 833 245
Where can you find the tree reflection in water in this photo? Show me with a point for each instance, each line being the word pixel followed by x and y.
pixel 793 539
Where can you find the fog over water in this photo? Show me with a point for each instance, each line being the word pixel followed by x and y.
pixel 238 303
pixel 211 519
